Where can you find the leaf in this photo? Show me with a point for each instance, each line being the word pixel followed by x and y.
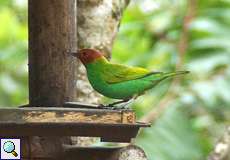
pixel 206 64
pixel 210 26
pixel 171 138
pixel 211 43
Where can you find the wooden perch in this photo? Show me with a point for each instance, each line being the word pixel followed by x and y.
pixel 40 121
pixel 76 115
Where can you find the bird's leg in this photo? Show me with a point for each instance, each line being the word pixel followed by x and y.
pixel 123 104
pixel 111 106
pixel 102 106
pixel 118 102
pixel 126 104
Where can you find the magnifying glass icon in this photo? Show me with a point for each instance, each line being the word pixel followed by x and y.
pixel 9 147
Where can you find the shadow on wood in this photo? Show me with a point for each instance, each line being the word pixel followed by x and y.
pixel 99 153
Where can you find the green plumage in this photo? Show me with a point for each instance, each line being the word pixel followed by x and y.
pixel 122 82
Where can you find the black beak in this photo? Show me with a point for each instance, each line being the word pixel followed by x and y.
pixel 75 54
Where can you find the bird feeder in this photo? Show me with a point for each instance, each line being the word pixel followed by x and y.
pixel 83 120
pixel 46 123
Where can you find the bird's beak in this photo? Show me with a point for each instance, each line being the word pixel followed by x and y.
pixel 75 54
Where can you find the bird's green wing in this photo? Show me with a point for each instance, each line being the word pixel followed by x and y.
pixel 115 73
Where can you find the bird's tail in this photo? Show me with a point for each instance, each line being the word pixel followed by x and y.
pixel 171 74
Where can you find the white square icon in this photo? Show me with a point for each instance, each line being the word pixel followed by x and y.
pixel 10 149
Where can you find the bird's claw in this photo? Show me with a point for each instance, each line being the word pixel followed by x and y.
pixel 121 107
pixel 112 107
pixel 102 106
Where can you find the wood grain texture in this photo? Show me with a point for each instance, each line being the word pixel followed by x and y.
pixel 52 77
pixel 128 117
pixel 108 132
pixel 53 114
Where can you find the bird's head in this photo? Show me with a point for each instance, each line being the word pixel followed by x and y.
pixel 87 55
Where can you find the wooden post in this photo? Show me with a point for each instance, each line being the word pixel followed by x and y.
pixel 51 69
pixel 52 78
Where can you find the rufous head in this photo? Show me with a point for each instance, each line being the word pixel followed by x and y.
pixel 87 55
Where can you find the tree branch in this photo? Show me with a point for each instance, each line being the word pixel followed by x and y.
pixel 222 148
pixel 97 25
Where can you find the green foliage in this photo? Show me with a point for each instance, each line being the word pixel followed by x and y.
pixel 13 54
pixel 172 137
pixel 149 36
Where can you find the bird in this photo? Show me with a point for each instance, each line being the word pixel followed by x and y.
pixel 119 81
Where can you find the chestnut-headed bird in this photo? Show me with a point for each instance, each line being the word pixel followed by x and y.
pixel 119 81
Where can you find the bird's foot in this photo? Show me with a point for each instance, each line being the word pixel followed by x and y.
pixel 124 105
pixel 121 107
pixel 117 107
pixel 112 107
pixel 102 106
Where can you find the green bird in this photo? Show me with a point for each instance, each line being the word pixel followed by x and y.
pixel 119 81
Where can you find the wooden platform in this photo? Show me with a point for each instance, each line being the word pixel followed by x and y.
pixel 110 125
pixel 55 114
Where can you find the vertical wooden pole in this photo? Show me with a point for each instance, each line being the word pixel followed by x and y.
pixel 51 69
pixel 52 75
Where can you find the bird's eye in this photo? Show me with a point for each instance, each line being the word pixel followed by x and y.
pixel 85 54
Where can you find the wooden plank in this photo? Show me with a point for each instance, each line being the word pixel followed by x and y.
pixel 110 125
pixel 128 116
pixel 107 132
pixel 55 114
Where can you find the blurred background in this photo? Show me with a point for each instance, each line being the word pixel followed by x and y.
pixel 188 113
